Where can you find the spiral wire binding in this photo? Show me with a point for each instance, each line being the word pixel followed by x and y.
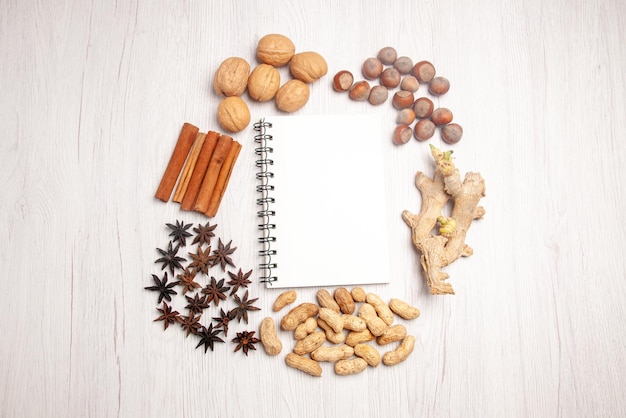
pixel 265 213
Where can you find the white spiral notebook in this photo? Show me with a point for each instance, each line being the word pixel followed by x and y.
pixel 321 200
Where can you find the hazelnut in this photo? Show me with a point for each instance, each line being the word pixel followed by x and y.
pixel 342 81
pixel 403 64
pixel 371 68
pixel 451 133
pixel 410 83
pixel 390 77
pixel 402 134
pixel 387 55
pixel 402 99
pixel 360 91
pixel 405 116
pixel 438 86
pixel 441 116
pixel 308 66
pixel 292 95
pixel 263 82
pixel 424 71
pixel 423 107
pixel 233 114
pixel 231 77
pixel 275 50
pixel 424 130
pixel 378 95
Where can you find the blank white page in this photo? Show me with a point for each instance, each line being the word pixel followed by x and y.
pixel 330 203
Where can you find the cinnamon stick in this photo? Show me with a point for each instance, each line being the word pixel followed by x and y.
pixel 199 171
pixel 183 182
pixel 222 179
pixel 179 155
pixel 213 170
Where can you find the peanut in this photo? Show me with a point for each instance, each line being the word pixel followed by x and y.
pixel 305 328
pixel 391 358
pixel 332 354
pixel 358 294
pixel 357 337
pixel 393 333
pixel 353 323
pixel 269 339
pixel 310 343
pixel 403 309
pixel 367 353
pixel 332 336
pixel 332 318
pixel 349 351
pixel 375 324
pixel 350 366
pixel 286 298
pixel 382 309
pixel 325 300
pixel 304 364
pixel 298 315
pixel 344 300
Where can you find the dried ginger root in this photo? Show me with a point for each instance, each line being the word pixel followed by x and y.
pixel 438 251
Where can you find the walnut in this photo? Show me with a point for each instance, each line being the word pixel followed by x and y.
pixel 233 114
pixel 308 66
pixel 292 95
pixel 263 82
pixel 231 78
pixel 275 50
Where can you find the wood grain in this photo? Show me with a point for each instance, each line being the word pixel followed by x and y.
pixel 93 97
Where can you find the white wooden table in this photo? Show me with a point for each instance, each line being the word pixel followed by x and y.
pixel 93 97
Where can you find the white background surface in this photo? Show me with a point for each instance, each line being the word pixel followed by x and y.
pixel 93 97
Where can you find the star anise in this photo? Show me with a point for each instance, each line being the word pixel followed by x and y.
pixel 186 280
pixel 222 255
pixel 204 234
pixel 179 232
pixel 202 260
pixel 238 280
pixel 169 258
pixel 163 287
pixel 167 315
pixel 196 304
pixel 223 320
pixel 215 291
pixel 245 340
pixel 208 337
pixel 190 323
pixel 243 306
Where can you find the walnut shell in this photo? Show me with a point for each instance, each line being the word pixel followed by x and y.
pixel 263 82
pixel 233 114
pixel 231 78
pixel 292 95
pixel 275 50
pixel 308 66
